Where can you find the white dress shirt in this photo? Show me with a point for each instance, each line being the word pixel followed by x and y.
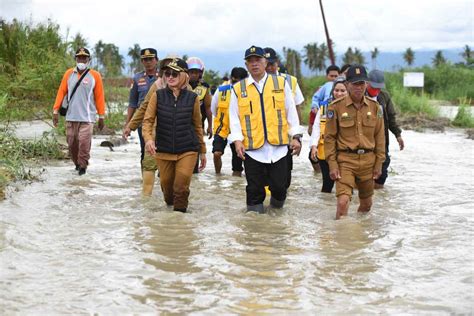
pixel 267 153
pixel 314 139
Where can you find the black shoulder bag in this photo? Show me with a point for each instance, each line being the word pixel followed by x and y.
pixel 65 105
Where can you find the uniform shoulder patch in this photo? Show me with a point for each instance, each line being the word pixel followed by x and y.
pixel 330 114
pixel 380 110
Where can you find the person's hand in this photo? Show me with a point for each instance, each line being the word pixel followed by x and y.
pixel 150 147
pixel 377 174
pixel 209 132
pixel 203 161
pixel 335 175
pixel 401 143
pixel 101 123
pixel 314 153
pixel 55 119
pixel 126 132
pixel 295 146
pixel 240 149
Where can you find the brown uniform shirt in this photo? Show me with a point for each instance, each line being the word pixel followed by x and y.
pixel 150 116
pixel 349 128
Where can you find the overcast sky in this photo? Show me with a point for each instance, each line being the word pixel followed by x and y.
pixel 221 25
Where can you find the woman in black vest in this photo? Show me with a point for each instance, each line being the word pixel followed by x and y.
pixel 179 135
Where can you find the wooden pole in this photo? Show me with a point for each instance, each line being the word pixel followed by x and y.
pixel 328 40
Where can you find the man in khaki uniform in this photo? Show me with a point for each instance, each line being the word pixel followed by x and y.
pixel 355 142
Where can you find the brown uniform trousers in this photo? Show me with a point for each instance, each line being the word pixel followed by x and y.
pixel 348 130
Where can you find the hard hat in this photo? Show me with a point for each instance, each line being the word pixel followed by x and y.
pixel 195 63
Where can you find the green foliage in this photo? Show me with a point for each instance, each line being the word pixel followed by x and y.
pixel 308 87
pixel 353 56
pixel 464 117
pixel 409 56
pixel 315 56
pixel 293 62
pixel 16 154
pixel 438 59
pixel 134 54
pixel 212 77
pixel 108 59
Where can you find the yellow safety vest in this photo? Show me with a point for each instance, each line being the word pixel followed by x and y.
pixel 221 121
pixel 292 81
pixel 263 116
pixel 322 127
pixel 201 91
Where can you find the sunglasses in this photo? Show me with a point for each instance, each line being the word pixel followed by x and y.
pixel 171 73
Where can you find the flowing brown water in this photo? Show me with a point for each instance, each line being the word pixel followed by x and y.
pixel 91 244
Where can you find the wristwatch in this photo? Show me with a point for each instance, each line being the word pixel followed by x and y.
pixel 298 137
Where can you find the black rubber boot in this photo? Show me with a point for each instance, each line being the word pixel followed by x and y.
pixel 82 171
pixel 256 208
pixel 275 203
pixel 182 210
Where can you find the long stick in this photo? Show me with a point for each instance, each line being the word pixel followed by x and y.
pixel 328 40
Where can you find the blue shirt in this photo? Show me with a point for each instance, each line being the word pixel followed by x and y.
pixel 141 84
pixel 323 95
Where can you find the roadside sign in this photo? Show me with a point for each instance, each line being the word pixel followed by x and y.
pixel 414 79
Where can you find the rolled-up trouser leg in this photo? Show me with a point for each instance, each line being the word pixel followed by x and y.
pixel 182 180
pixel 167 175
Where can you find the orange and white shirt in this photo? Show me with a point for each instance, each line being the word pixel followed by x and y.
pixel 88 100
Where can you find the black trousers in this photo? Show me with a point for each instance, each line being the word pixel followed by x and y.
pixel 289 158
pixel 142 143
pixel 236 161
pixel 328 184
pixel 258 174
pixel 383 177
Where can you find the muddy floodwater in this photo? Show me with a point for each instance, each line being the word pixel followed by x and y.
pixel 86 245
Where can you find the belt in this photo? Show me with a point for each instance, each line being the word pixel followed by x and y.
pixel 359 151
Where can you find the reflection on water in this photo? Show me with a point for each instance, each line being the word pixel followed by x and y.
pixel 85 245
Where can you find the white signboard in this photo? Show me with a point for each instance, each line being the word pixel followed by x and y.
pixel 413 79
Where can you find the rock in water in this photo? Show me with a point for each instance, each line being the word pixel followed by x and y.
pixel 113 142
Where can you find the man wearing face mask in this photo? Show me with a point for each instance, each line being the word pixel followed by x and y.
pixel 84 104
pixel 374 90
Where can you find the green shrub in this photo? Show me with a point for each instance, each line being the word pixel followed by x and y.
pixel 464 117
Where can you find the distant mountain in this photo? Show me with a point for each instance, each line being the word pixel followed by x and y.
pixel 224 61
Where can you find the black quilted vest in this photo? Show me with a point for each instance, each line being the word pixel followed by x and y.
pixel 175 130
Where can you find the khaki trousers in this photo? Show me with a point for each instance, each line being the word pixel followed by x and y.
pixel 79 137
pixel 175 177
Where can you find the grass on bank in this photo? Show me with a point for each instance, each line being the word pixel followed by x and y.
pixel 18 156
pixel 464 117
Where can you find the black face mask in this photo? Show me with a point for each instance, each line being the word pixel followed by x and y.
pixel 193 84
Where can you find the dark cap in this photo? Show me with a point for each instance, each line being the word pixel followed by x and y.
pixel 270 54
pixel 356 73
pixel 178 64
pixel 254 51
pixel 148 53
pixel 376 79
pixel 82 51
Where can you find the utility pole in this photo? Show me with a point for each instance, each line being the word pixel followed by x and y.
pixel 328 40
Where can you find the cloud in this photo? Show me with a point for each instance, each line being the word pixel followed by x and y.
pixel 211 25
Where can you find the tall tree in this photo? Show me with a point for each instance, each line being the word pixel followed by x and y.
pixel 438 59
pixel 323 54
pixel 373 55
pixel 77 42
pixel 409 56
pixel 348 57
pixel 293 62
pixel 311 55
pixel 467 55
pixel 358 57
pixel 108 59
pixel 134 54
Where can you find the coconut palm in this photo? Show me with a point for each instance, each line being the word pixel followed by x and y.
pixel 134 54
pixel 409 56
pixel 438 59
pixel 373 55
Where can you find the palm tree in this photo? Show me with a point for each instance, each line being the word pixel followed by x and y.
pixel 323 54
pixel 358 57
pixel 373 55
pixel 438 59
pixel 467 55
pixel 409 56
pixel 77 42
pixel 293 62
pixel 311 55
pixel 134 53
pixel 348 57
